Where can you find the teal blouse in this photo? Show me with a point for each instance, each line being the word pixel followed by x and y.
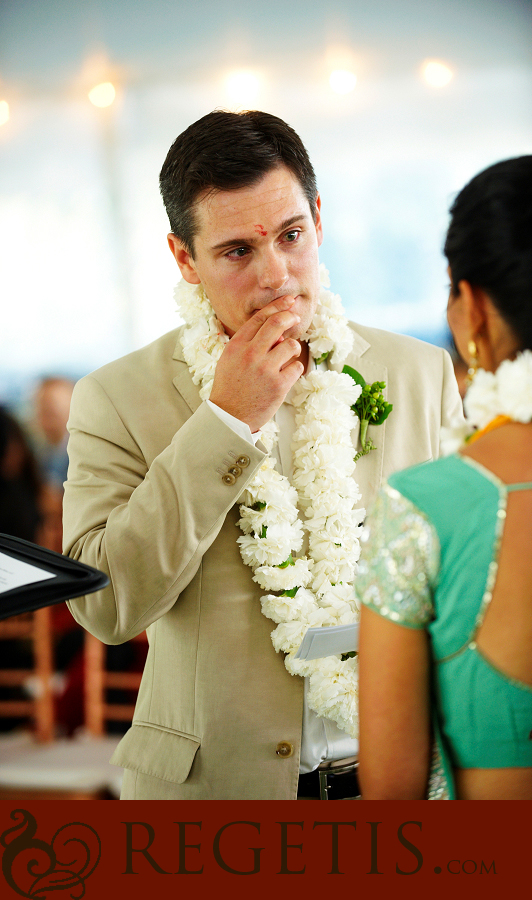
pixel 430 561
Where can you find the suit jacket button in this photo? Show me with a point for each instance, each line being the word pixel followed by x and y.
pixel 243 462
pixel 284 749
pixel 235 470
pixel 228 478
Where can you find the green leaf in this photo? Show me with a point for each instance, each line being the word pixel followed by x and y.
pixel 322 358
pixel 291 593
pixel 356 376
pixel 350 655
pixel 258 506
pixel 263 531
pixel 288 562
pixel 384 413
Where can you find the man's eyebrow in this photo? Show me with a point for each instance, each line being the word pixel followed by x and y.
pixel 239 242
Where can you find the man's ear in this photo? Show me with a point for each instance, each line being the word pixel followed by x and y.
pixel 183 259
pixel 319 227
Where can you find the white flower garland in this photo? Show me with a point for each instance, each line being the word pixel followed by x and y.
pixel 323 487
pixel 505 392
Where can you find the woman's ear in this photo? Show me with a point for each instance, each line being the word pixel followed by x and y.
pixel 474 309
pixel 183 259
pixel 485 325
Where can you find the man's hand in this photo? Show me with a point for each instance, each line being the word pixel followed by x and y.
pixel 258 365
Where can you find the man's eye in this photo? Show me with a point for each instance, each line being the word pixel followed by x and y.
pixel 237 253
pixel 291 236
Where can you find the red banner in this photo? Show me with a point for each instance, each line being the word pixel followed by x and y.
pixel 150 849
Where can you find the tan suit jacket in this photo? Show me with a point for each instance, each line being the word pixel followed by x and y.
pixel 146 502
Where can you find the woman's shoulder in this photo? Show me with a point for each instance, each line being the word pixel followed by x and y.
pixel 432 473
pixel 442 484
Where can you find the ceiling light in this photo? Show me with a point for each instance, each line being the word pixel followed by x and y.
pixel 4 112
pixel 342 81
pixel 435 73
pixel 103 94
pixel 242 87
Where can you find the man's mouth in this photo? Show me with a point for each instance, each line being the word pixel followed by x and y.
pixel 267 303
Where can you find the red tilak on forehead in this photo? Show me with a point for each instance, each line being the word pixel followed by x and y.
pixel 260 230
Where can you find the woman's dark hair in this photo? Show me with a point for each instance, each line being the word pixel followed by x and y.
pixel 489 241
pixel 20 481
pixel 225 151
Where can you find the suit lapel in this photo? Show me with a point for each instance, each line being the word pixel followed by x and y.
pixel 183 381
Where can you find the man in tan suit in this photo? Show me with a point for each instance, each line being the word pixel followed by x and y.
pixel 156 475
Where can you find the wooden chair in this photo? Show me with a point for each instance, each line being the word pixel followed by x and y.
pixel 100 682
pixel 37 709
pixel 75 768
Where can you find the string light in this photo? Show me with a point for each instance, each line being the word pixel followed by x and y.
pixel 103 94
pixel 342 81
pixel 436 73
pixel 4 112
pixel 242 87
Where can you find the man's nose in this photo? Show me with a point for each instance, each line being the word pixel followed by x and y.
pixel 272 270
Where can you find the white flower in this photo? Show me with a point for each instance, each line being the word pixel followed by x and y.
pixel 325 281
pixel 325 572
pixel 275 547
pixel 288 636
pixel 481 401
pixel 505 392
pixel 329 330
pixel 325 390
pixel 301 667
pixel 333 692
pixel 192 302
pixel 268 434
pixel 452 437
pixel 322 489
pixel 514 379
pixel 272 578
pixel 288 609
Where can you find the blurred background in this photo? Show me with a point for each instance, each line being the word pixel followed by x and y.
pixel 399 103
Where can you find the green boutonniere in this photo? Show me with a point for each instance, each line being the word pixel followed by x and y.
pixel 371 408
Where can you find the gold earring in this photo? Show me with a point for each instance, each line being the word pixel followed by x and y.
pixel 472 349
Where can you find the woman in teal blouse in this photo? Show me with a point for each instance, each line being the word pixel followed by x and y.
pixel 445 578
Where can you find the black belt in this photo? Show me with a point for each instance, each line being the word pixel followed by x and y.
pixel 338 782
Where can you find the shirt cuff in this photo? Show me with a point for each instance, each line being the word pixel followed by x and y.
pixel 241 428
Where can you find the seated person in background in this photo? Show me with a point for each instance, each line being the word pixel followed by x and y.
pixel 51 409
pixel 22 515
pixel 446 576
pixel 20 482
pixel 51 406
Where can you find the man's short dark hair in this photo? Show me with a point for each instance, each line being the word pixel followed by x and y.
pixel 225 151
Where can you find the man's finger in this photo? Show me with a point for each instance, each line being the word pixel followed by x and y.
pixel 253 325
pixel 273 328
pixel 285 352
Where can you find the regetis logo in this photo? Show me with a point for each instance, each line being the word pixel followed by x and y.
pixel 37 869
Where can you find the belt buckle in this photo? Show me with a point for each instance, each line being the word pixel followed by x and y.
pixel 335 767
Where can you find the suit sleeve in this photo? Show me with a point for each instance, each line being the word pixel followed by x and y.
pixel 451 402
pixel 147 527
